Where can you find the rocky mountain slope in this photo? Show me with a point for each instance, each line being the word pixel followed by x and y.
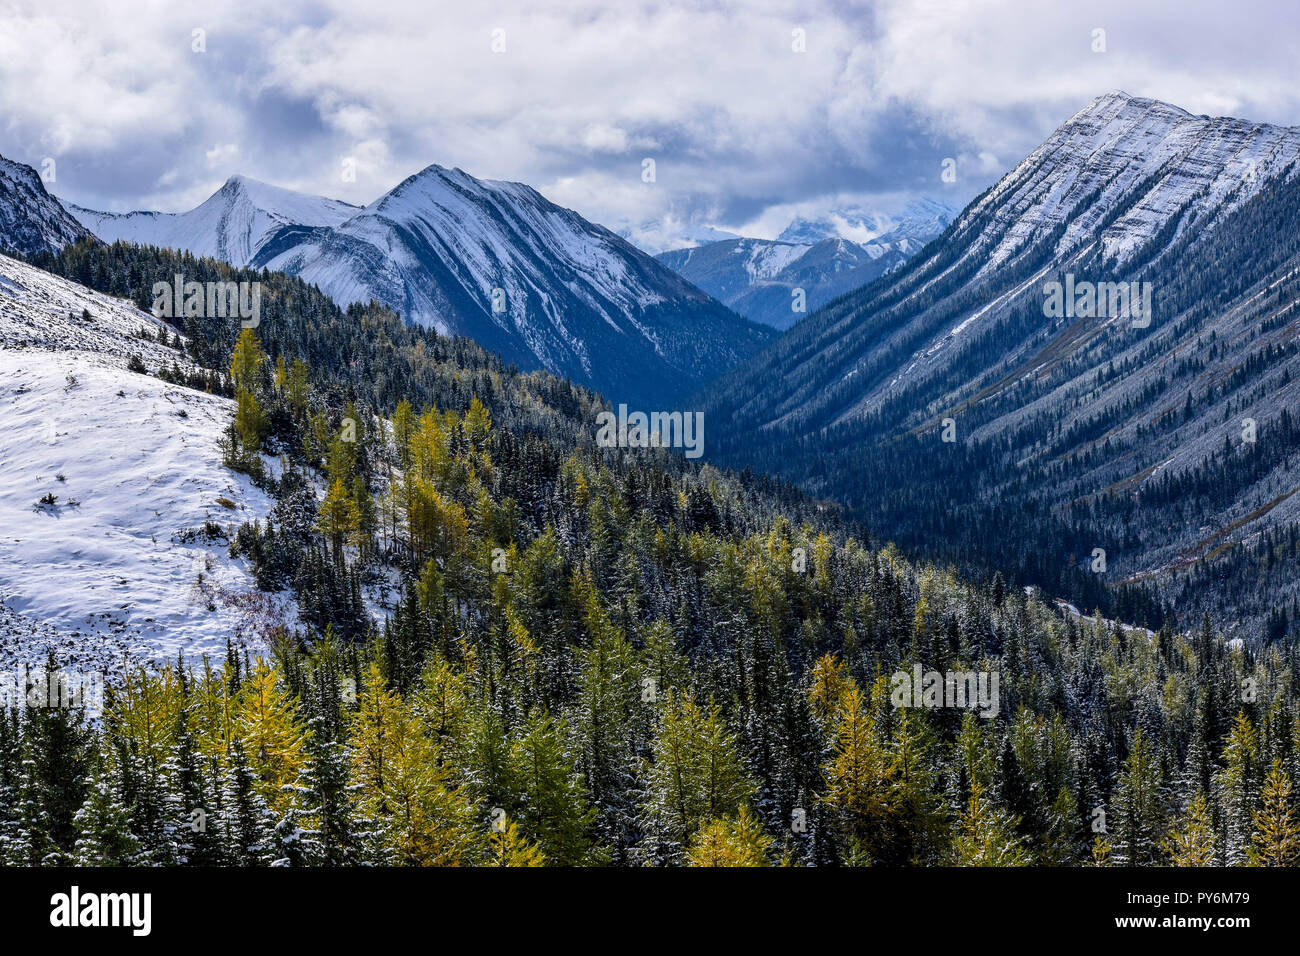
pixel 1069 431
pixel 31 220
pixel 494 261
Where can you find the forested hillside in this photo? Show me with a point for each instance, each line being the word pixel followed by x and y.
pixel 614 657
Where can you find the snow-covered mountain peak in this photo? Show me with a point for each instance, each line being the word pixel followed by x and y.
pixel 233 224
pixel 284 203
pixel 1123 169
pixel 445 188
pixel 921 219
pixel 496 261
pixel 31 220
pixel 1125 186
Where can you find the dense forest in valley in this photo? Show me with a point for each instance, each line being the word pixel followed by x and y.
pixel 600 656
pixel 1062 431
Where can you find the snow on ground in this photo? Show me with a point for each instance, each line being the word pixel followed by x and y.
pixel 1069 610
pixel 116 560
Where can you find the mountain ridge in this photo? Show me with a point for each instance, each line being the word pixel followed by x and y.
pixel 32 220
pixel 1057 422
pixel 492 260
pixel 761 278
pixel 232 224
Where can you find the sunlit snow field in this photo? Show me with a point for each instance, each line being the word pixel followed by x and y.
pixel 113 565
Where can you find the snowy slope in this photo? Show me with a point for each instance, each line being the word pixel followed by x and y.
pixel 1128 166
pixel 31 220
pixel 1116 187
pixel 113 565
pixel 1136 428
pixel 232 225
pixel 494 261
pixel 525 278
pixel 493 234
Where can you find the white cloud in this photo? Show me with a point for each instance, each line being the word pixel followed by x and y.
pixel 739 124
pixel 600 138
pixel 223 156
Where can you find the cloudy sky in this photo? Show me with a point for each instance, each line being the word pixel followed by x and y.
pixel 752 112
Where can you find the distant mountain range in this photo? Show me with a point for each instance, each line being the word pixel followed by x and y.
pixel 778 282
pixel 494 261
pixel 762 279
pixel 919 221
pixel 1172 445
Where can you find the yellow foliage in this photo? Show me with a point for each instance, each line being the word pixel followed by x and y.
pixel 272 733
pixel 509 847
pixel 404 785
pixel 738 842
pixel 146 711
pixel 830 685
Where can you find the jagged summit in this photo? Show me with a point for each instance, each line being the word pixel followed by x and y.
pixel 31 220
pixel 1121 181
pixel 921 219
pixel 233 224
pixel 1073 414
pixel 759 277
pixel 1144 161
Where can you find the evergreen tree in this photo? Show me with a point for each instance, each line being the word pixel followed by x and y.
pixel 858 785
pixel 104 827
pixel 57 748
pixel 553 810
pixel 1140 803
pixel 247 823
pixel 1191 843
pixel 247 361
pixel 327 801
pixel 986 835
pixel 1238 787
pixel 509 847
pixel 1276 840
pixel 696 775
pixel 738 842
